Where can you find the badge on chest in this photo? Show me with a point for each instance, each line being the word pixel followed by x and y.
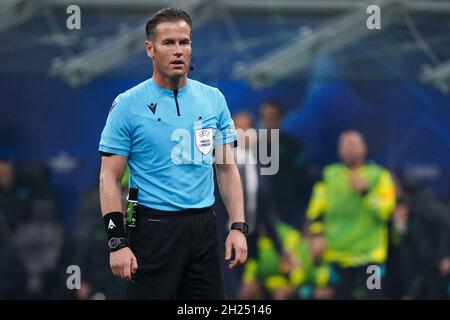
pixel 204 140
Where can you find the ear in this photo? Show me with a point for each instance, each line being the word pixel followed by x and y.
pixel 149 48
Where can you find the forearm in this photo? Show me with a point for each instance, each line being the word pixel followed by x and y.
pixel 316 209
pixel 231 191
pixel 110 195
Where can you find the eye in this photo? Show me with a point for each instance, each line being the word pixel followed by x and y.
pixel 185 42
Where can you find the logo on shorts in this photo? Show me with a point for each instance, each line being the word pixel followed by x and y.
pixel 204 140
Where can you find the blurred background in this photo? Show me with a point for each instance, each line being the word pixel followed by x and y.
pixel 312 68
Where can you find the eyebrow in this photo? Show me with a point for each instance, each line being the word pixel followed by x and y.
pixel 173 39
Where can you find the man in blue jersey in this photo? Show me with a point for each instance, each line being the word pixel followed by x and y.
pixel 166 130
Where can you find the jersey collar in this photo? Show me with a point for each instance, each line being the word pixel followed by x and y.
pixel 153 85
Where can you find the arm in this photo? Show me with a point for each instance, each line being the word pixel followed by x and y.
pixel 315 226
pixel 316 209
pixel 230 188
pixel 111 173
pixel 123 262
pixel 381 199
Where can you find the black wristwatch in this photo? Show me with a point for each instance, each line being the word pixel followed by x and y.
pixel 115 244
pixel 241 226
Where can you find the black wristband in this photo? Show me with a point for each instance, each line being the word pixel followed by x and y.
pixel 114 225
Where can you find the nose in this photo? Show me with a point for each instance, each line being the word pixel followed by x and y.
pixel 178 51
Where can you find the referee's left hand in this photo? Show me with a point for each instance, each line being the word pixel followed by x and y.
pixel 236 240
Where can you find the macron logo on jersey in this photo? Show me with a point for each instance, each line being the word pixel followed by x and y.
pixel 111 224
pixel 152 107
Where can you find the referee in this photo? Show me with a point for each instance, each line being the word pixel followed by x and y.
pixel 166 130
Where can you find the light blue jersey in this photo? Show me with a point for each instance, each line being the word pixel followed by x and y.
pixel 168 137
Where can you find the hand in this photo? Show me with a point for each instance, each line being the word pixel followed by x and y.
pixel 288 262
pixel 123 263
pixel 84 292
pixel 236 240
pixel 318 245
pixel 357 182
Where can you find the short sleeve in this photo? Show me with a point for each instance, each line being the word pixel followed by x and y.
pixel 226 132
pixel 116 135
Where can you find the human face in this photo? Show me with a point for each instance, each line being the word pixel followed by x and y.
pixel 242 123
pixel 270 116
pixel 170 51
pixel 352 149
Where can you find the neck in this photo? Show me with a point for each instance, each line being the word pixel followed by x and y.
pixel 169 83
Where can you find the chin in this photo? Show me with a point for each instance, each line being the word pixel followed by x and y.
pixel 177 74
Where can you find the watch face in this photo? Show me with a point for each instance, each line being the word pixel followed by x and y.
pixel 241 226
pixel 114 243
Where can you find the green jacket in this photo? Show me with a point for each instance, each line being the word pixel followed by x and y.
pixel 354 224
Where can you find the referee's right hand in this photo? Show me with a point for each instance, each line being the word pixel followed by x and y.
pixel 123 263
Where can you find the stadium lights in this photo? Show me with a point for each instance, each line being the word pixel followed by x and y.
pixel 439 76
pixel 15 12
pixel 112 51
pixel 299 54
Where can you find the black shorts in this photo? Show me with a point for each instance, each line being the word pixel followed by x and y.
pixel 177 256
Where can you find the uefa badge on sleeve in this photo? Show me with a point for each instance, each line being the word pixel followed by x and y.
pixel 204 140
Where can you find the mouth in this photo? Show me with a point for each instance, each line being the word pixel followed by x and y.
pixel 177 63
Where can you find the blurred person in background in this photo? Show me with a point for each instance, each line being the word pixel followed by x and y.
pixel 267 277
pixel 350 208
pixel 28 214
pixel 255 186
pixel 289 187
pixel 419 253
pixel 257 214
pixel 261 219
pixel 91 249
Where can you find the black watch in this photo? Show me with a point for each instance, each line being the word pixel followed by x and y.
pixel 115 244
pixel 241 226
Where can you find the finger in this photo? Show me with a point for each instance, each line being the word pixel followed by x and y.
pixel 134 265
pixel 244 255
pixel 239 255
pixel 127 271
pixel 233 264
pixel 236 260
pixel 114 270
pixel 228 248
pixel 119 272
